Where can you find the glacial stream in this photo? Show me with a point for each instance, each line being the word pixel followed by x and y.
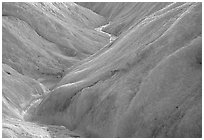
pixel 99 29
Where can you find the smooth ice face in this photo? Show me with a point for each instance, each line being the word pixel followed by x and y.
pixel 128 70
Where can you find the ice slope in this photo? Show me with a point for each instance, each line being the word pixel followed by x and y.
pixel 122 15
pixel 19 92
pixel 147 84
pixel 42 40
pixel 39 42
pixel 14 128
pixel 169 103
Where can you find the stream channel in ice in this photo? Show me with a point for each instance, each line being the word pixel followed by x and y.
pixel 99 29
